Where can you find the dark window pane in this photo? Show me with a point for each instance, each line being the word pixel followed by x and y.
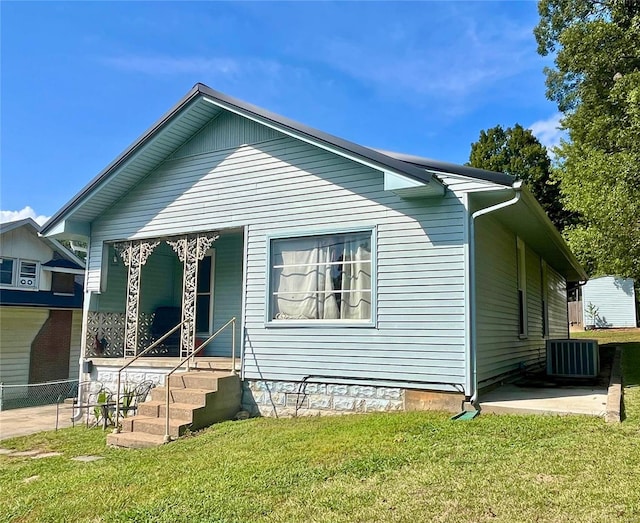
pixel 6 271
pixel 521 311
pixel 202 313
pixel 61 282
pixel 204 275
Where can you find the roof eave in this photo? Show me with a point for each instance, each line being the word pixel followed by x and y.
pixel 123 157
pixel 560 243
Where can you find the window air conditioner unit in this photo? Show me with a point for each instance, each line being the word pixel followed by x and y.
pixel 27 277
pixel 573 358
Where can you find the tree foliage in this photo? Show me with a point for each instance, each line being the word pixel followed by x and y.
pixel 516 151
pixel 596 83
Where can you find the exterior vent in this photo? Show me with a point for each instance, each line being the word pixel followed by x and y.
pixel 573 358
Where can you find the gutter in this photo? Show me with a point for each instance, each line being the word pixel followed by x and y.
pixel 472 347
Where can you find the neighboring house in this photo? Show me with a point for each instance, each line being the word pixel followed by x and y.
pixel 40 306
pixel 609 301
pixel 361 279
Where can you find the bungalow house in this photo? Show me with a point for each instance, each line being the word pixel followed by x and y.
pixel 359 279
pixel 40 309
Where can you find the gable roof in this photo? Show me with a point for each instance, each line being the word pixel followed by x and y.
pixel 10 226
pixel 70 260
pixel 197 108
pixel 436 166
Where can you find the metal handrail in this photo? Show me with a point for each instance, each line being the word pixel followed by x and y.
pixel 152 346
pixel 167 436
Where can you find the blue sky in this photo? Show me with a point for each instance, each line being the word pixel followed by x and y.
pixel 81 81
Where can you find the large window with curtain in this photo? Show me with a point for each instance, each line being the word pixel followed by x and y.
pixel 322 278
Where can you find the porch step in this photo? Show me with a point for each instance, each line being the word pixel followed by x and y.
pixel 158 409
pixel 197 399
pixel 134 440
pixel 150 425
pixel 194 397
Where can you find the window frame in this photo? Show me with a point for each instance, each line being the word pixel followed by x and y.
pixel 306 233
pixel 17 270
pixel 521 285
pixel 544 283
pixel 13 272
pixel 211 253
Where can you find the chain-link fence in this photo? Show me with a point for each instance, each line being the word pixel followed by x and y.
pixel 36 394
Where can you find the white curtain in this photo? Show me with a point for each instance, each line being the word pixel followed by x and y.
pixel 356 280
pixel 303 286
pixel 323 277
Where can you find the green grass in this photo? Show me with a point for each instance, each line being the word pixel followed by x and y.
pixel 381 467
pixel 629 341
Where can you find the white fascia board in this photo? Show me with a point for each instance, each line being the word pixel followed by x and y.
pixel 63 270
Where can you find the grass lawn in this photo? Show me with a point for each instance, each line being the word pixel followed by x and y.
pixel 380 467
pixel 629 340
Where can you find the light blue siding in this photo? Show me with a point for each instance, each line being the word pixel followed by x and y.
pixel 615 300
pixel 500 348
pixel 225 132
pixel 227 293
pixel 286 186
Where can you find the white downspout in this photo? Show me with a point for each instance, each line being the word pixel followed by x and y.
pixel 472 356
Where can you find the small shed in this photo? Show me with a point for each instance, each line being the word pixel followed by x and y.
pixel 609 301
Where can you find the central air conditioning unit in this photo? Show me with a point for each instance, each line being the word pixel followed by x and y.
pixel 573 358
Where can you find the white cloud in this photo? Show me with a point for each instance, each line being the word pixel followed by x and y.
pixel 27 212
pixel 548 131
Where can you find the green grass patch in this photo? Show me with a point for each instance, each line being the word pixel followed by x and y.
pixel 629 341
pixel 378 467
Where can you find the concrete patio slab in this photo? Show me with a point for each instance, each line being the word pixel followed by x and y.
pixel 513 399
pixel 22 422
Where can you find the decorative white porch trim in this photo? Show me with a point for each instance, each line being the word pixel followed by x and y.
pixel 105 333
pixel 190 250
pixel 134 254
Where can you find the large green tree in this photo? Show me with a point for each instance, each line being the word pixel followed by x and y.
pixel 596 83
pixel 516 151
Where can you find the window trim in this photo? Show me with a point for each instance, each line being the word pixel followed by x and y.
pixel 521 285
pixel 302 233
pixel 544 282
pixel 212 277
pixel 15 275
pixel 13 272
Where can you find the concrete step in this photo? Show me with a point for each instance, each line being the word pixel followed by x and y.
pixel 177 411
pixel 196 397
pixel 199 379
pixel 135 440
pixel 152 425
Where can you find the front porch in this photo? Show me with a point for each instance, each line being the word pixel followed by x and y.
pixel 192 283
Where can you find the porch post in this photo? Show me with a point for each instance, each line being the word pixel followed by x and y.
pixel 190 250
pixel 134 255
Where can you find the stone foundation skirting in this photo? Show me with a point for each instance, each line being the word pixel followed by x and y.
pixel 108 376
pixel 286 398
